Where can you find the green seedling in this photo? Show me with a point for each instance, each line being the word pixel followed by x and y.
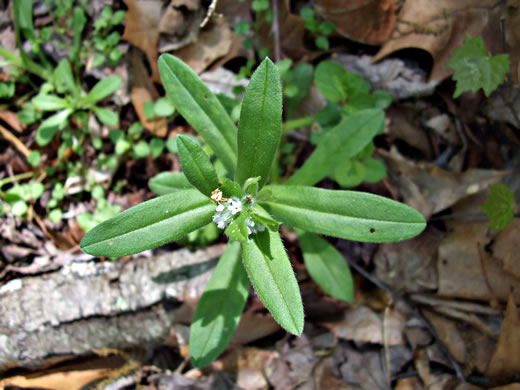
pixel 248 209
pixel 319 29
pixel 475 68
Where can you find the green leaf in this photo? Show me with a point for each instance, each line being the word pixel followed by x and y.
pixel 49 102
pixel 196 165
pixel 375 170
pixel 499 206
pixel 55 215
pixel 327 267
pixel 22 11
pixel 322 43
pixel 219 309
pixel 474 69
pixel 342 142
pixel 270 271
pixel 156 146
pixel 63 79
pixel 7 89
pixel 150 224
pixel 34 158
pixel 163 107
pixel 350 174
pixel 102 89
pixel 78 23
pixel 200 107
pixel 168 182
pixel 351 215
pixel 263 218
pixel 329 77
pixel 237 229
pixel 260 124
pixel 141 150
pixel 149 111
pixel 230 188
pixel 19 208
pixel 106 116
pixel 301 76
pixel 50 126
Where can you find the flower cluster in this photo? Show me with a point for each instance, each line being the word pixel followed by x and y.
pixel 227 210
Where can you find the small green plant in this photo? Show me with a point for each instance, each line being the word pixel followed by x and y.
pixel 249 211
pixel 475 68
pixel 319 29
pixel 105 39
pixel 354 114
pixel 499 206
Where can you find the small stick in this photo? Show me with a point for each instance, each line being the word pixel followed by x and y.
pixel 395 297
pixel 15 141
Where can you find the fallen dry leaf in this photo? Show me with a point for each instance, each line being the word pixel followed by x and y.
pixel 507 247
pixel 367 21
pixel 180 24
pixel 419 271
pixel 11 118
pixel 212 43
pixel 505 360
pixel 440 26
pixel 429 188
pixel 144 91
pixel 449 333
pixel 142 29
pixel 325 379
pixel 466 272
pixel 361 324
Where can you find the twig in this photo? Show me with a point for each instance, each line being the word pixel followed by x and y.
pixel 15 141
pixel 411 306
pixel 276 32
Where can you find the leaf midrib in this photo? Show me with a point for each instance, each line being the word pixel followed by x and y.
pixel 257 138
pixel 196 208
pixel 288 308
pixel 285 205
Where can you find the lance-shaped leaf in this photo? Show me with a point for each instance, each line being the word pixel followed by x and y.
pixel 200 107
pixel 49 127
pixel 196 165
pixel 219 309
pixel 270 271
pixel 351 215
pixel 49 102
pixel 168 182
pixel 327 266
pixel 102 89
pixel 150 224
pixel 260 124
pixel 344 141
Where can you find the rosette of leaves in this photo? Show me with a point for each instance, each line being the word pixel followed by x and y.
pixel 247 154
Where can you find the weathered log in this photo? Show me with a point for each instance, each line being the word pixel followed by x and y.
pixel 88 305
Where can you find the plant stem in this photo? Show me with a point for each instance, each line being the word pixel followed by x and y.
pixel 297 123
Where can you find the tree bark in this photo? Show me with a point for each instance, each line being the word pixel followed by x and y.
pixel 88 305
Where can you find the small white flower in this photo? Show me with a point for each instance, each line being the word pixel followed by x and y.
pixel 235 206
pixel 220 208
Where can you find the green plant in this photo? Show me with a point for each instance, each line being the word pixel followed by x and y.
pixel 105 39
pixel 248 210
pixel 345 129
pixel 319 30
pixel 499 206
pixel 19 197
pixel 475 68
